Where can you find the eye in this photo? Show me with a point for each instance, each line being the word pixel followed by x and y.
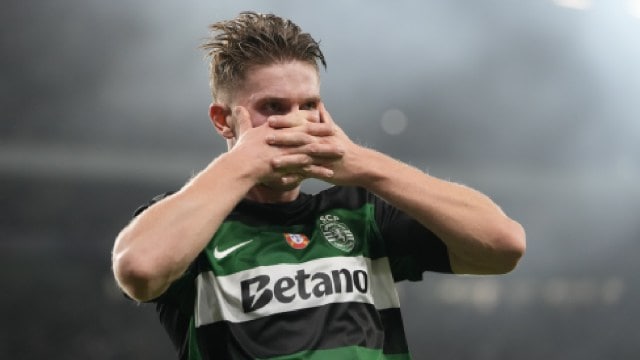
pixel 310 105
pixel 273 107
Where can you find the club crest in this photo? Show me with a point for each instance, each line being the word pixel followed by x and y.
pixel 337 233
pixel 297 241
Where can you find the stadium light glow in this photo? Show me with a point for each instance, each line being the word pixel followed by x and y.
pixel 574 4
pixel 394 122
pixel 634 8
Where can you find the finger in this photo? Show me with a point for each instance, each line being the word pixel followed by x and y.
pixel 325 117
pixel 320 129
pixel 308 171
pixel 300 144
pixel 283 138
pixel 317 172
pixel 312 133
pixel 296 162
pixel 283 178
pixel 291 162
pixel 293 119
pixel 283 122
pixel 242 120
pixel 324 151
pixel 291 179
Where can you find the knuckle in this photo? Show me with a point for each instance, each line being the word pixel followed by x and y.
pixel 313 148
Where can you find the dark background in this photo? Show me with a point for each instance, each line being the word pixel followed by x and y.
pixel 535 103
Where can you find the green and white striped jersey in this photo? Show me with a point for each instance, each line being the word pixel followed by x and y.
pixel 310 279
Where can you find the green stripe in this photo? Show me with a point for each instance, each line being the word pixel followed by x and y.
pixel 194 351
pixel 349 352
pixel 269 246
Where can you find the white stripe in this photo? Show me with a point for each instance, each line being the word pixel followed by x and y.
pixel 219 297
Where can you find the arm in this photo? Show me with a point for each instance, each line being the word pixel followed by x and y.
pixel 160 243
pixel 480 238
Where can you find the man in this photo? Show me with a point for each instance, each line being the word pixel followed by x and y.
pixel 241 264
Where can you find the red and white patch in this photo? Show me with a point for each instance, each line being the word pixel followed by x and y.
pixel 297 241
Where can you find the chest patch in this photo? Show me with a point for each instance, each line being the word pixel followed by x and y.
pixel 337 233
pixel 297 241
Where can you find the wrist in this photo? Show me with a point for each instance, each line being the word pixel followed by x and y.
pixel 369 167
pixel 227 172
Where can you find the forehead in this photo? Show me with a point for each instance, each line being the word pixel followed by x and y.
pixel 292 80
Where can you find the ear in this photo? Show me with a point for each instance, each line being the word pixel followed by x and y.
pixel 218 114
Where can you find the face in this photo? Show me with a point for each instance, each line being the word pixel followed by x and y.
pixel 291 88
pixel 284 89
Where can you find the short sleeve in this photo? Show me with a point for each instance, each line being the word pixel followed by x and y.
pixel 175 305
pixel 179 286
pixel 412 248
pixel 146 205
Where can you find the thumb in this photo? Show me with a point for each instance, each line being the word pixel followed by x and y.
pixel 242 121
pixel 324 115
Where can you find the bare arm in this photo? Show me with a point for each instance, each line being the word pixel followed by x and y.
pixel 479 237
pixel 159 244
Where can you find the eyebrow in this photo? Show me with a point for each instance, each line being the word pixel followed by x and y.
pixel 277 98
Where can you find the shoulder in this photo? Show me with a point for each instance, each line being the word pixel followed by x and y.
pixel 349 197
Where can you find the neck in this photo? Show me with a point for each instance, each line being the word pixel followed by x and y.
pixel 264 194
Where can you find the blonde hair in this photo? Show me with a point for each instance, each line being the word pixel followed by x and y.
pixel 254 39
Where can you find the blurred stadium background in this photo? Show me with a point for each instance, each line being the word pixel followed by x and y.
pixel 535 102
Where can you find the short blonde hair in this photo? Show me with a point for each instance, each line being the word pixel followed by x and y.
pixel 254 39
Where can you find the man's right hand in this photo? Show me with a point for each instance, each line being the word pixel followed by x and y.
pixel 286 149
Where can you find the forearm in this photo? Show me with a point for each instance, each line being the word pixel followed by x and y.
pixel 160 243
pixel 480 238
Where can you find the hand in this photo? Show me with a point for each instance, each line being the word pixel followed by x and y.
pixel 284 150
pixel 329 154
pixel 306 144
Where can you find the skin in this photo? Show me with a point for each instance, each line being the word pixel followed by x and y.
pixel 285 98
pixel 279 133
